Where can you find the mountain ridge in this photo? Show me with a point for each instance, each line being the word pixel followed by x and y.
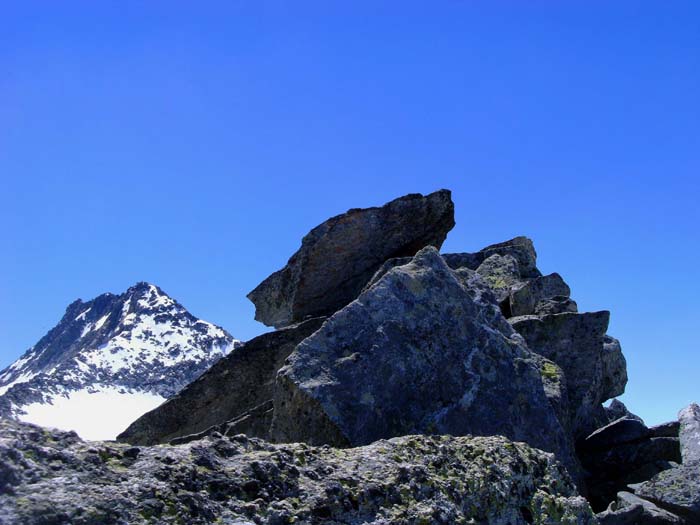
pixel 140 342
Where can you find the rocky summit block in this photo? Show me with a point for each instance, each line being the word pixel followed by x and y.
pixel 338 257
pixel 417 352
pixel 53 477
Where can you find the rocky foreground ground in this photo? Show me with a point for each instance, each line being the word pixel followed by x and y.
pixel 51 477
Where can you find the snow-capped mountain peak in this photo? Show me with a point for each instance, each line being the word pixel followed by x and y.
pixel 140 343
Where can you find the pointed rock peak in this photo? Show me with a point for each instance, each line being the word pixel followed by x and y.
pixel 141 342
pixel 147 296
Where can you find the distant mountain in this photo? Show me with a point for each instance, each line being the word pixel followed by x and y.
pixel 109 360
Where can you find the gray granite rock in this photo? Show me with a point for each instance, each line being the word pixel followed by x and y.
pixel 525 299
pixel 439 480
pixel 338 257
pixel 689 434
pixel 415 353
pixel 576 342
pixel 228 390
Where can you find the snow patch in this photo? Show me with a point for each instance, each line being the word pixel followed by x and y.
pixel 96 413
pixel 101 321
pixel 82 315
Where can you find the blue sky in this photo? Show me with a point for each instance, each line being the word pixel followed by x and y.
pixel 192 145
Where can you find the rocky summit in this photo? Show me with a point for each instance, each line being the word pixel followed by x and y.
pixel 402 385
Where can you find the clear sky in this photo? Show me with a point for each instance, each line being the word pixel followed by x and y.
pixel 193 144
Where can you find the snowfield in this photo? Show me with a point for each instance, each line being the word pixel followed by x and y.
pixel 97 413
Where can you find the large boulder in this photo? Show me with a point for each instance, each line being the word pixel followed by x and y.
pixel 338 257
pixel 418 352
pixel 439 480
pixel 592 364
pixel 689 434
pixel 237 386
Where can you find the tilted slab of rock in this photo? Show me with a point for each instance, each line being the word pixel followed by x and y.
pixel 338 257
pixel 616 433
pixel 689 434
pixel 54 477
pixel 235 385
pixel 577 343
pixel 415 353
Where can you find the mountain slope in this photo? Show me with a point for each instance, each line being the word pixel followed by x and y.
pixel 109 360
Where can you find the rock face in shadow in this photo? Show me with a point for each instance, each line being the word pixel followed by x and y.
pixel 229 390
pixel 338 257
pixel 51 477
pixel 415 353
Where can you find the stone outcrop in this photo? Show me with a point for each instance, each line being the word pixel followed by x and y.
pixel 241 382
pixel 530 367
pixel 370 371
pixel 54 477
pixel 338 257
